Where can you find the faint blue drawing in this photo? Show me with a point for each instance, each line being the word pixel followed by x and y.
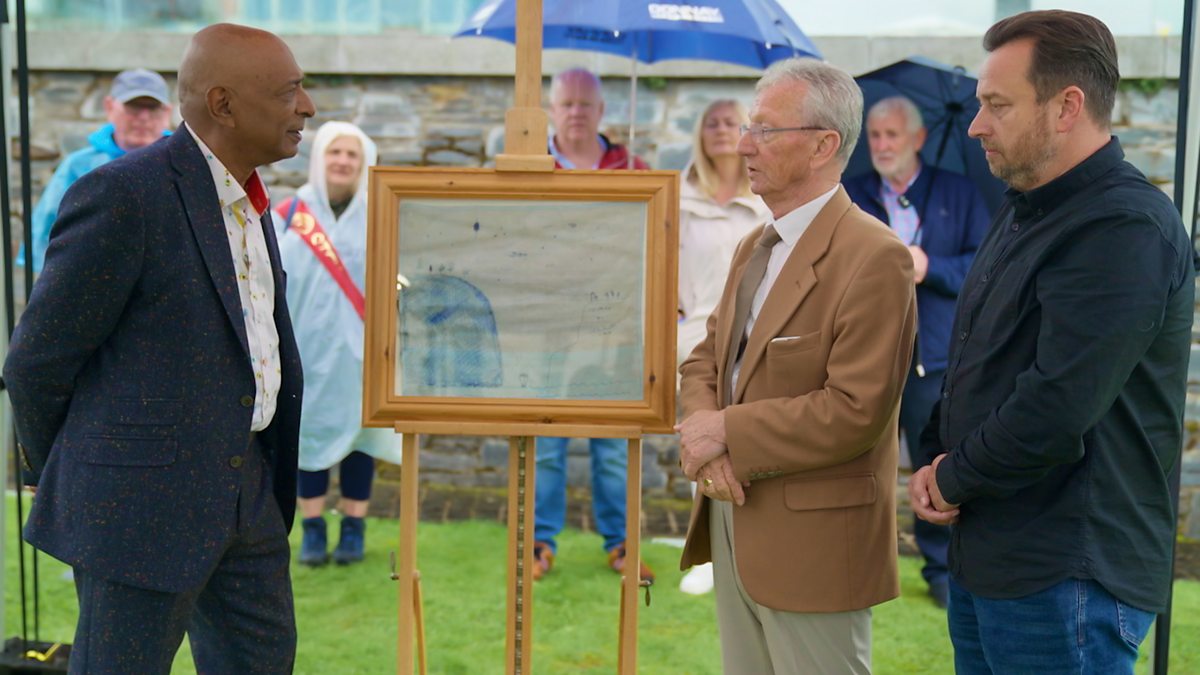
pixel 448 336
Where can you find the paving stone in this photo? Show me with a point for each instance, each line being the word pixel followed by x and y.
pixel 450 158
pixel 495 453
pixel 458 463
pixel 471 146
pixel 401 158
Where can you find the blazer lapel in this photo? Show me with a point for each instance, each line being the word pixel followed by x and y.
pixel 794 283
pixel 268 225
pixel 200 204
pixel 282 315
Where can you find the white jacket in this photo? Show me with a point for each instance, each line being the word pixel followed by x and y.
pixel 708 235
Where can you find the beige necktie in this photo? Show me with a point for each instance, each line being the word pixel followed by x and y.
pixel 756 269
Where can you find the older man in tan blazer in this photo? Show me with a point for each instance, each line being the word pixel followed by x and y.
pixel 791 401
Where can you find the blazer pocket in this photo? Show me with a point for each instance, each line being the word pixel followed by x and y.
pixel 787 345
pixel 811 494
pixel 127 450
pixel 144 412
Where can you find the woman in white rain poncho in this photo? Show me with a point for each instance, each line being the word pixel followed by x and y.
pixel 324 295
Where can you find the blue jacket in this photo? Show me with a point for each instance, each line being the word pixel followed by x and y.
pixel 102 148
pixel 954 219
pixel 130 380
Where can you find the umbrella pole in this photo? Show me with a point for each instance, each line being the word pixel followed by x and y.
pixel 632 102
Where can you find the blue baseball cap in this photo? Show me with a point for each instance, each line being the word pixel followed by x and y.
pixel 140 83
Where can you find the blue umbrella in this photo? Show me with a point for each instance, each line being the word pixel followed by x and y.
pixel 753 33
pixel 945 95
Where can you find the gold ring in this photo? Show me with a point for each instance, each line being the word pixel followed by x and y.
pixel 707 482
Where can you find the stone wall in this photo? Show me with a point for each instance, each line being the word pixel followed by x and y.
pixel 458 121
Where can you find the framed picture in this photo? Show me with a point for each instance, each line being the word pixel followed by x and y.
pixel 521 297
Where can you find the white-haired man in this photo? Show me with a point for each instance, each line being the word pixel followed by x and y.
pixel 941 217
pixel 791 400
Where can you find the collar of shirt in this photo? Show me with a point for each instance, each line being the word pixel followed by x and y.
pixel 1041 200
pixel 229 191
pixel 885 186
pixel 566 163
pixel 794 223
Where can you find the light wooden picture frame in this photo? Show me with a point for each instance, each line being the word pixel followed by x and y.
pixel 512 297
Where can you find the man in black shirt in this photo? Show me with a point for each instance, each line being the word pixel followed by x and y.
pixel 1062 406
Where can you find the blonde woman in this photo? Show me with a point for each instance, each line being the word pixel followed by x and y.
pixel 716 210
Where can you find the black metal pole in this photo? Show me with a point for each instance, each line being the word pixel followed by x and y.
pixel 1181 122
pixel 26 170
pixel 5 198
pixel 27 228
pixel 1162 626
pixel 9 304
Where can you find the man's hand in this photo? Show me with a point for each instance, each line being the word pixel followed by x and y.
pixel 701 440
pixel 920 263
pixel 926 499
pixel 716 481
pixel 935 493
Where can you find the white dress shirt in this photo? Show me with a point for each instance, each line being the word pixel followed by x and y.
pixel 790 227
pixel 256 285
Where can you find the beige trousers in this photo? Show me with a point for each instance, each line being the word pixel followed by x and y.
pixel 758 640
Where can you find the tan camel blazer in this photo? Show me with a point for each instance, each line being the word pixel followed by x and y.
pixel 813 422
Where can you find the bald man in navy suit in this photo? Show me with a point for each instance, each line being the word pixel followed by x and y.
pixel 156 384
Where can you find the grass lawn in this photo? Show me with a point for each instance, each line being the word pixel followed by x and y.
pixel 346 616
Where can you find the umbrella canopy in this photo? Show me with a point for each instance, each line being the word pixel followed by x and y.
pixel 753 33
pixel 945 95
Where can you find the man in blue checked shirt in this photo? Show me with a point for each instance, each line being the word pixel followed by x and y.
pixel 941 217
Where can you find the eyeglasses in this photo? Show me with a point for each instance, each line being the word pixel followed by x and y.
pixel 761 132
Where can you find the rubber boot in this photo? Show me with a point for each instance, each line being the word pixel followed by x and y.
pixel 314 545
pixel 350 543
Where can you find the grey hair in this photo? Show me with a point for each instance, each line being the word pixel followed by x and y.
pixel 834 100
pixel 558 79
pixel 899 104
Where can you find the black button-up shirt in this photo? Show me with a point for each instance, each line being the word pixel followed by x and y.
pixel 1062 406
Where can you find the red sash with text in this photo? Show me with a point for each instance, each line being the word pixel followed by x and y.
pixel 297 217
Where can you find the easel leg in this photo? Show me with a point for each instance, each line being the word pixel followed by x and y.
pixel 419 613
pixel 631 580
pixel 522 463
pixel 408 554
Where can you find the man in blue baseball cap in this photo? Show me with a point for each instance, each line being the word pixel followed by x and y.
pixel 138 107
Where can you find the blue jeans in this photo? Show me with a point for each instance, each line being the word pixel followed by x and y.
pixel 1075 626
pixel 608 489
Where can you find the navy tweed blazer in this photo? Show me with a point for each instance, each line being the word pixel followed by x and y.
pixel 130 378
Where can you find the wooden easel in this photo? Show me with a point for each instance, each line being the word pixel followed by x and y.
pixel 521 491
pixel 525 138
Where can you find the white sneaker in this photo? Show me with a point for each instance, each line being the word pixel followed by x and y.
pixel 698 580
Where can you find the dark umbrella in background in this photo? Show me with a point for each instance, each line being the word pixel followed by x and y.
pixel 754 33
pixel 945 95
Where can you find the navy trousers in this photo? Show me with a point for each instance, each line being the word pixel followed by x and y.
pixel 920 393
pixel 240 621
